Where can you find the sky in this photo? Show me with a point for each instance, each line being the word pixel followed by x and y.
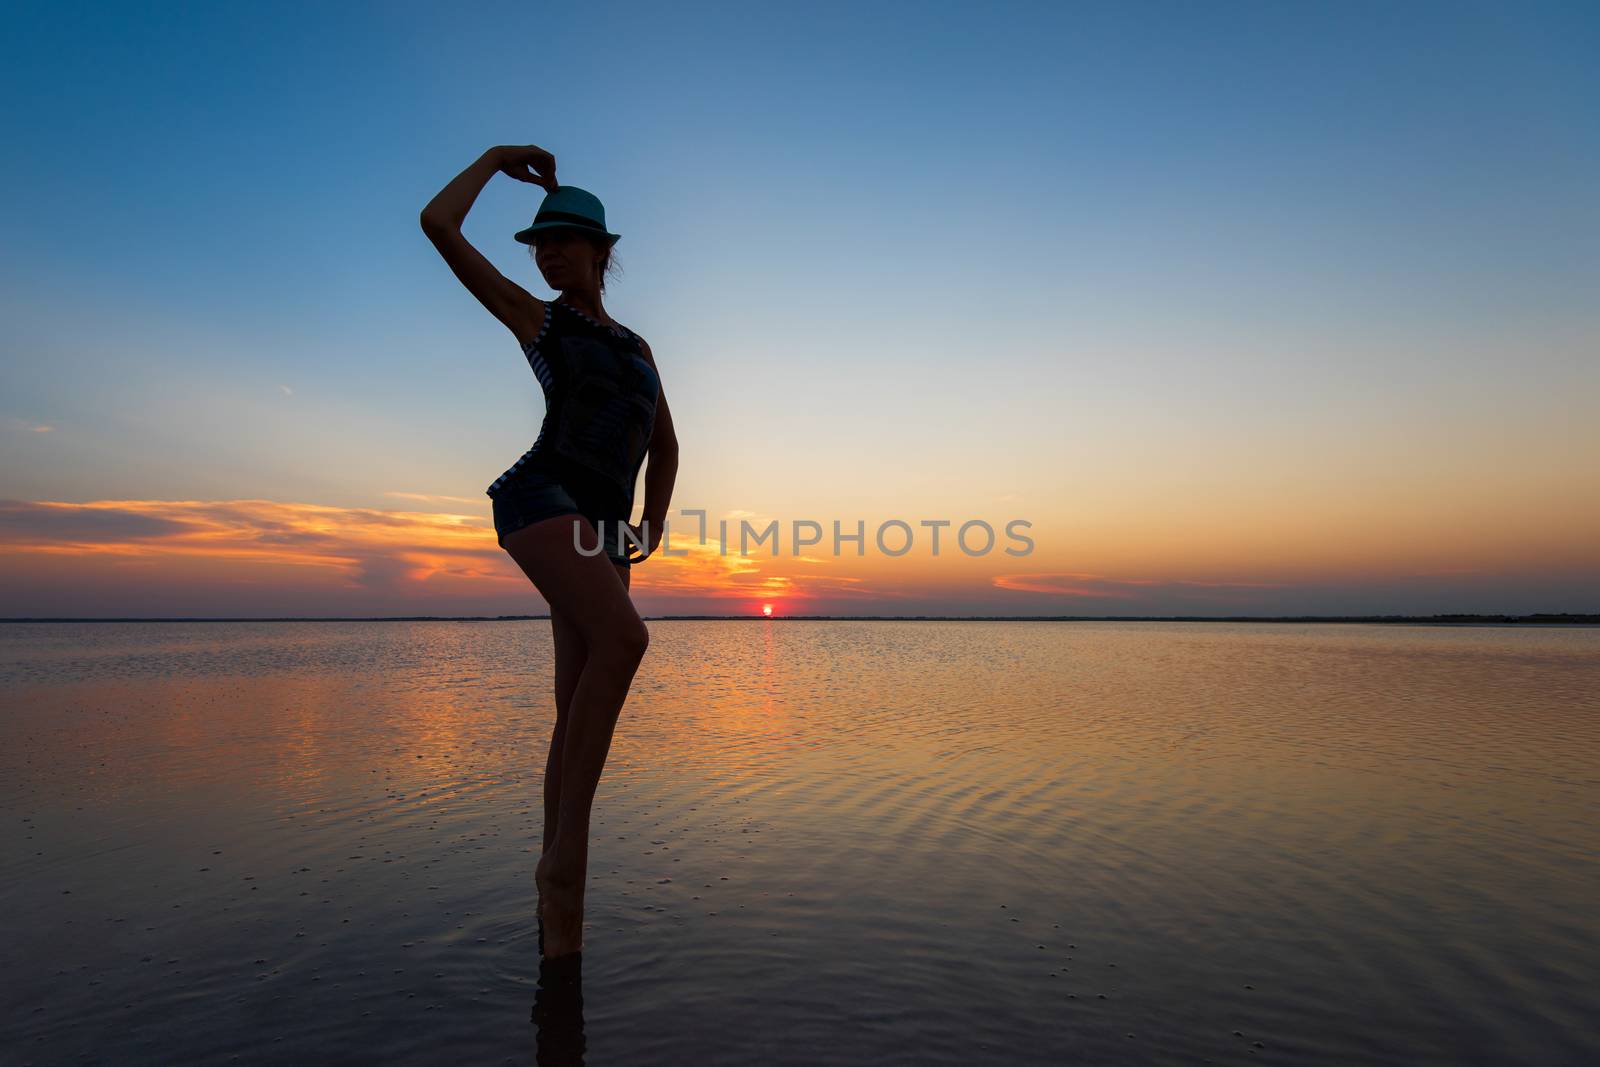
pixel 1242 308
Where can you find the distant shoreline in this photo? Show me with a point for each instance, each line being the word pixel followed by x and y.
pixel 1563 619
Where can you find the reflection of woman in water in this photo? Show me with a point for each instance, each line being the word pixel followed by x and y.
pixel 562 508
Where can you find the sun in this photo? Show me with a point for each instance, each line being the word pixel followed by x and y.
pixel 766 609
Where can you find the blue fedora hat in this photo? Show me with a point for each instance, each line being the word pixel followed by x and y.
pixel 571 207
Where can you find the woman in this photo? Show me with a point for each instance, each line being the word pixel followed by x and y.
pixel 561 510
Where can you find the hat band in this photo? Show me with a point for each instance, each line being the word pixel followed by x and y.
pixel 567 216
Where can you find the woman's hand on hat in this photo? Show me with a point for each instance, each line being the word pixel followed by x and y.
pixel 529 163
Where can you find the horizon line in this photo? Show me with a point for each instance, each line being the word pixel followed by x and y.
pixel 1451 618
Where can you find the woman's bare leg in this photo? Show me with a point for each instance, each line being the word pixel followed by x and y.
pixel 570 654
pixel 588 592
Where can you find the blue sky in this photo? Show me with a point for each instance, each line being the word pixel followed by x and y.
pixel 957 253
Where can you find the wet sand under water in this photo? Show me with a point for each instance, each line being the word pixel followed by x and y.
pixel 844 842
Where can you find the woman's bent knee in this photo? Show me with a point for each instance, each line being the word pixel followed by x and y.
pixel 629 640
pixel 636 639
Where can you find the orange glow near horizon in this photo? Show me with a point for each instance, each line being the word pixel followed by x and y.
pixel 157 558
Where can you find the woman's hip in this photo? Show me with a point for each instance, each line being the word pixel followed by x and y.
pixel 540 497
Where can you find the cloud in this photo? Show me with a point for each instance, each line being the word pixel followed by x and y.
pixel 367 545
pixel 430 497
pixel 370 549
pixel 1099 587
pixel 420 556
pixel 26 522
pixel 704 572
pixel 380 572
pixel 11 422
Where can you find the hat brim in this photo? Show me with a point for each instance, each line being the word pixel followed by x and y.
pixel 526 236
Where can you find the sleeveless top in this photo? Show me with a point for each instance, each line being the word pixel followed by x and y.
pixel 600 406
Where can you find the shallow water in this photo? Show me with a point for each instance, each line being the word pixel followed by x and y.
pixel 841 842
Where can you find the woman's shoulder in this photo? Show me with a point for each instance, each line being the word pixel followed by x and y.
pixel 644 348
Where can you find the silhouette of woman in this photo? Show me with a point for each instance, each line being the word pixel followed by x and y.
pixel 561 511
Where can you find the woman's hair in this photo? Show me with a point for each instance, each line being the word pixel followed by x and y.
pixel 608 260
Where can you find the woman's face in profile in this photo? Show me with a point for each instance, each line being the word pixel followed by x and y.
pixel 564 256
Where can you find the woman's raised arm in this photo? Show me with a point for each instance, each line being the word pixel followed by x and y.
pixel 442 218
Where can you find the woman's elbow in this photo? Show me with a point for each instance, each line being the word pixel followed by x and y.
pixel 433 223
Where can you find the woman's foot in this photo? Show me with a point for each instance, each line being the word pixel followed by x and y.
pixel 561 911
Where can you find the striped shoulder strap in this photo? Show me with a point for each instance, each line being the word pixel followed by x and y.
pixel 543 330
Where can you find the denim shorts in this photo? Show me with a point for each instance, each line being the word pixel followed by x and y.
pixel 532 498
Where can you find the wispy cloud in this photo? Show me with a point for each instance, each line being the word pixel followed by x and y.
pixel 11 422
pixel 703 571
pixel 418 556
pixel 1100 587
pixel 45 526
pixel 426 498
pixel 366 545
pixel 365 548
